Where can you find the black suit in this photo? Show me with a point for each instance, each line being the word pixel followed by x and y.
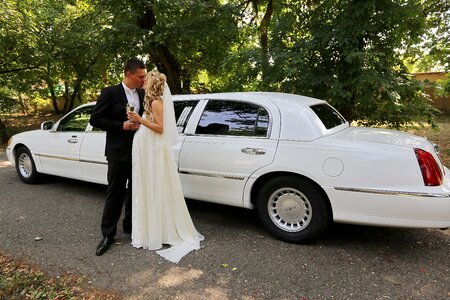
pixel 109 114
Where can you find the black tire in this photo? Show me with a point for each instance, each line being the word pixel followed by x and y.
pixel 25 166
pixel 292 209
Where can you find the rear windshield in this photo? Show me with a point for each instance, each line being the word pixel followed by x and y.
pixel 328 115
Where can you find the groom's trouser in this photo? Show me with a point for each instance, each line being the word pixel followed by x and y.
pixel 118 175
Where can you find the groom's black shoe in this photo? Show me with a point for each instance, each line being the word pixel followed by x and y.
pixel 103 246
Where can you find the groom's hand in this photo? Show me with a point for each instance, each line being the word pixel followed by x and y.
pixel 129 125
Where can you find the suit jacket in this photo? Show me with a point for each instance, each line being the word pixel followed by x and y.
pixel 109 114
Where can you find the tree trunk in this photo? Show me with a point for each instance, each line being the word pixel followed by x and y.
pixel 76 91
pixel 66 97
pixel 264 39
pixel 3 132
pixel 161 55
pixel 167 64
pixel 79 98
pixel 51 88
pixel 186 88
pixel 347 108
pixel 23 105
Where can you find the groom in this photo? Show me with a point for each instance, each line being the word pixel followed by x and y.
pixel 110 115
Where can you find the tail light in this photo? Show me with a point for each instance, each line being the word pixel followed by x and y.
pixel 431 173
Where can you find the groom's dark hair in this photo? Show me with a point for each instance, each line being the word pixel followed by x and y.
pixel 132 65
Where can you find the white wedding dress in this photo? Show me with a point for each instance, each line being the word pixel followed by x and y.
pixel 159 212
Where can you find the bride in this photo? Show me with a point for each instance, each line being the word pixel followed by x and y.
pixel 159 212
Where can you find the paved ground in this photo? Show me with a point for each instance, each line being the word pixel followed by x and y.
pixel 349 262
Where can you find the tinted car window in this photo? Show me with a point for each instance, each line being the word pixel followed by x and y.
pixel 77 120
pixel 328 115
pixel 233 118
pixel 262 124
pixel 183 111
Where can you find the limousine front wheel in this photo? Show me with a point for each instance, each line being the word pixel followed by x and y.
pixel 26 169
pixel 292 209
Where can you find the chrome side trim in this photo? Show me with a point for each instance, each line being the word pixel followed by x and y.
pixel 392 193
pixel 213 175
pixel 57 157
pixel 229 136
pixel 93 162
pixel 71 159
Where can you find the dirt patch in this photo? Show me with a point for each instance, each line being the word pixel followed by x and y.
pixel 22 280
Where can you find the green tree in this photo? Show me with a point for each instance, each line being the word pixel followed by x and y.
pixel 348 53
pixel 77 46
pixel 433 54
pixel 54 47
pixel 179 38
pixel 247 66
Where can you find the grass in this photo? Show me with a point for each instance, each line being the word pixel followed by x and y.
pixel 440 136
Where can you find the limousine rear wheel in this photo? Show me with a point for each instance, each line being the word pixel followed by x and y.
pixel 292 209
pixel 25 167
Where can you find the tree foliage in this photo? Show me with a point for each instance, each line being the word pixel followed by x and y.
pixel 347 52
pixel 54 47
pixel 432 53
pixel 180 38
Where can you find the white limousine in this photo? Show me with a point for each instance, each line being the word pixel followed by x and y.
pixel 294 159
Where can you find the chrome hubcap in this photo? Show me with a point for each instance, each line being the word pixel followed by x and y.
pixel 289 209
pixel 25 165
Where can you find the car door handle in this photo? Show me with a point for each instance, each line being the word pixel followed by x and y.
pixel 253 151
pixel 72 141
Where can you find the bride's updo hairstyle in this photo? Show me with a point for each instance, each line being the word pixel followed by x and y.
pixel 154 89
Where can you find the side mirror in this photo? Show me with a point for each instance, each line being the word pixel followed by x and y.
pixel 47 125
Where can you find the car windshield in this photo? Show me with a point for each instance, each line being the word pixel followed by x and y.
pixel 328 115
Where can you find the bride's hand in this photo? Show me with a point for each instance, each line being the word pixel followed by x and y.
pixel 134 117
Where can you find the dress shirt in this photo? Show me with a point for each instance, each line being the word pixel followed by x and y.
pixel 132 97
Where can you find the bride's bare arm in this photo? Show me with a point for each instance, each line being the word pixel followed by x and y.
pixel 157 125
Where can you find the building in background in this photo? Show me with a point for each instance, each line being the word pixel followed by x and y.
pixel 438 102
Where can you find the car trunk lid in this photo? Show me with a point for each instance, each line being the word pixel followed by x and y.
pixel 385 136
pixel 388 136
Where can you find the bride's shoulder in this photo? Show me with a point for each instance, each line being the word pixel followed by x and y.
pixel 157 103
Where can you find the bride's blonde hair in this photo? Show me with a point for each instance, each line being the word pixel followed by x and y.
pixel 154 89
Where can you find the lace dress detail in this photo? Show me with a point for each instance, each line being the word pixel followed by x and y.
pixel 159 212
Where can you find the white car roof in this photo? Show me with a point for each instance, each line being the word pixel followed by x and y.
pixel 280 99
pixel 277 98
pixel 296 121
